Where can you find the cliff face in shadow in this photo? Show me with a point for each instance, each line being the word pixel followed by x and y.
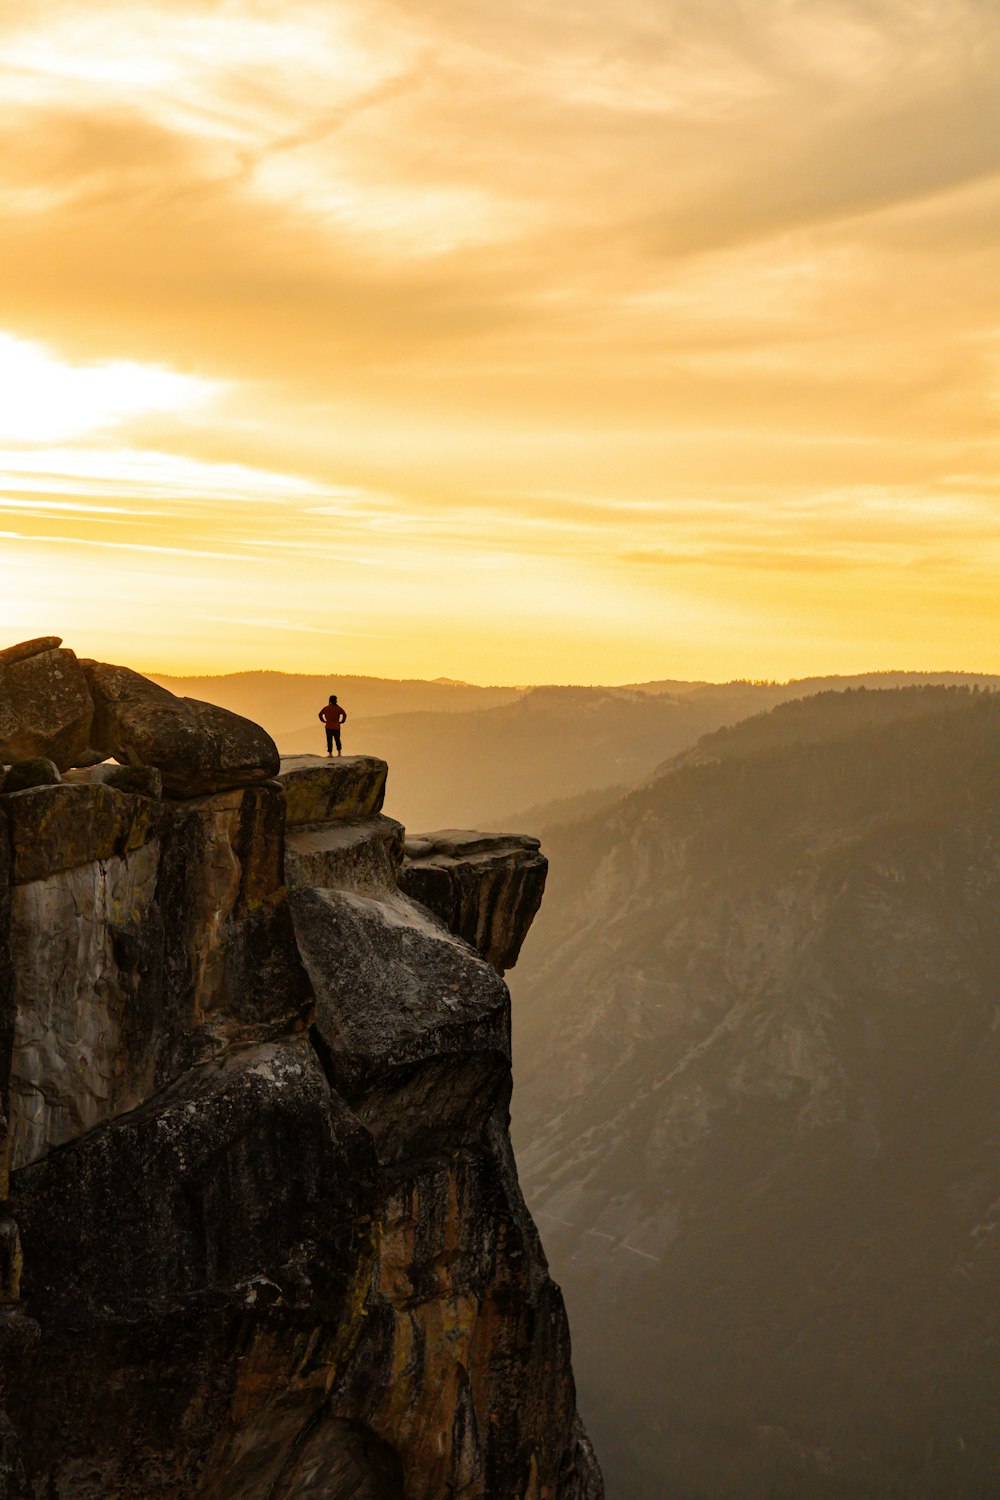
pixel 261 1232
pixel 758 1105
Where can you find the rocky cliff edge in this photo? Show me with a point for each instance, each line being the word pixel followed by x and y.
pixel 262 1235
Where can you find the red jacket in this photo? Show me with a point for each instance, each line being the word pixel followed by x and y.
pixel 333 715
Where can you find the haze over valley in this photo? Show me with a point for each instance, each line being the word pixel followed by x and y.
pixel 484 756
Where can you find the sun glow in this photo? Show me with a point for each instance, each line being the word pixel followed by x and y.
pixel 47 400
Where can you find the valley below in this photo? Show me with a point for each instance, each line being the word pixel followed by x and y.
pixel 758 1106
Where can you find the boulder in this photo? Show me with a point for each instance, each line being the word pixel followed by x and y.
pixel 362 856
pixel 198 748
pixel 413 1026
pixel 322 790
pixel 485 887
pixel 45 707
pixel 25 774
pixel 144 781
pixel 25 649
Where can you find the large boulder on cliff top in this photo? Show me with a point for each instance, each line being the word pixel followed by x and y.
pixel 45 705
pixel 197 747
pixel 24 649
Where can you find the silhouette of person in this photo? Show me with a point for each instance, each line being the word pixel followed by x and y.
pixel 332 716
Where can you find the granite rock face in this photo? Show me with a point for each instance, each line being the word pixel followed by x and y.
pixel 261 1233
pixel 484 887
pixel 416 1026
pixel 142 938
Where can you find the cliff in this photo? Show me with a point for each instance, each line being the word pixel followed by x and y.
pixel 262 1234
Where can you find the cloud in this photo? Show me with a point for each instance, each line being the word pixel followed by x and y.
pixel 493 282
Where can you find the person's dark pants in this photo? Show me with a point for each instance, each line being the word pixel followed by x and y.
pixel 332 738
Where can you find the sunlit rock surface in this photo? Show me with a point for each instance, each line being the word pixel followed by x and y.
pixel 261 1235
pixel 331 789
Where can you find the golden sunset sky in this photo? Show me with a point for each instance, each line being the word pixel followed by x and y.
pixel 543 340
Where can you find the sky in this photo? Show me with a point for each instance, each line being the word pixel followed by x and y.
pixel 543 340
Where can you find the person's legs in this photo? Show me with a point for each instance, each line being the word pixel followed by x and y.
pixel 329 740
pixel 336 735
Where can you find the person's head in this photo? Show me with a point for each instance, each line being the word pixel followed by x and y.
pixel 333 697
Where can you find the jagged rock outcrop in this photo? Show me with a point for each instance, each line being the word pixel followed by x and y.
pixel 79 713
pixel 416 1026
pixel 261 1235
pixel 484 887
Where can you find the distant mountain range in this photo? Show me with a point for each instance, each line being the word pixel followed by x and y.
pixel 287 702
pixel 488 757
pixel 757 1032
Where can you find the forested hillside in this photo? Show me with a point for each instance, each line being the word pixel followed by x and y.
pixel 758 1106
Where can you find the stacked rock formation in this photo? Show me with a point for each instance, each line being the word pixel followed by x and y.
pixel 79 713
pixel 261 1235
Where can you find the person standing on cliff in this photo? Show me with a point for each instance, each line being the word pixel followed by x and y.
pixel 332 716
